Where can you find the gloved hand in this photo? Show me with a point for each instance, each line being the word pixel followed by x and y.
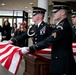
pixel 24 50
pixel 9 41
pixel 5 41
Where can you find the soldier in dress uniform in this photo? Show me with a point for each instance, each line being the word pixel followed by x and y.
pixel 39 31
pixel 62 60
pixel 73 18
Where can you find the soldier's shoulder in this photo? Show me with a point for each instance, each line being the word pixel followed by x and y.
pixel 60 26
pixel 45 24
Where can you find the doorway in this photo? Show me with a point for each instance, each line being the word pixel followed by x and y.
pixel 11 20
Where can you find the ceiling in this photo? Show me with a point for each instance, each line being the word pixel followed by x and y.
pixel 21 4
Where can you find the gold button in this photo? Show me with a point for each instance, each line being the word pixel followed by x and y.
pixel 35 38
pixel 56 57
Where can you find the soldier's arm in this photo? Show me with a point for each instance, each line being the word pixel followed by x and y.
pixel 18 39
pixel 57 35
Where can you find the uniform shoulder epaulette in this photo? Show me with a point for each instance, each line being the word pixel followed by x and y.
pixel 60 26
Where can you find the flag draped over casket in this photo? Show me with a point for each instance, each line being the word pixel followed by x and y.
pixel 49 49
pixel 10 57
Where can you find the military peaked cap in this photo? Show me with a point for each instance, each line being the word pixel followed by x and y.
pixel 73 11
pixel 37 10
pixel 59 5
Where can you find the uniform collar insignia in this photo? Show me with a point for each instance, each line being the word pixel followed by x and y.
pixel 60 25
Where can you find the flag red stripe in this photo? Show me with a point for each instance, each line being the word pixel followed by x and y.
pixel 8 49
pixel 8 62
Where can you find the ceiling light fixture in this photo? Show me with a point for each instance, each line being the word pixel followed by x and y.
pixel 25 7
pixel 3 4
pixel 31 4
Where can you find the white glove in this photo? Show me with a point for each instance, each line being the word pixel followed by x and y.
pixel 24 50
pixel 5 41
pixel 9 41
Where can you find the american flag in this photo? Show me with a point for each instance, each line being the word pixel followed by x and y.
pixel 10 57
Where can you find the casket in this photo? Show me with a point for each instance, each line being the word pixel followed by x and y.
pixel 39 62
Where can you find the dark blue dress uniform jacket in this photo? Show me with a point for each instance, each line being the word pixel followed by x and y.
pixel 62 61
pixel 41 33
pixel 74 33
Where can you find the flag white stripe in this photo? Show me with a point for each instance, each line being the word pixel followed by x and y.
pixel 74 44
pixel 14 62
pixel 74 49
pixel 3 49
pixel 7 53
pixel 47 49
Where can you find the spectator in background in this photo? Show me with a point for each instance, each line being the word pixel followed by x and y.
pixel 14 28
pixel 25 24
pixel 1 33
pixel 19 32
pixel 73 18
pixel 6 34
pixel 1 29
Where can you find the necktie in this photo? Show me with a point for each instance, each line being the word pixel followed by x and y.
pixel 36 26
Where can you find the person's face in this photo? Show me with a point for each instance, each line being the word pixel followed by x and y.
pixel 21 26
pixel 25 22
pixel 73 20
pixel 6 23
pixel 14 26
pixel 35 18
pixel 57 15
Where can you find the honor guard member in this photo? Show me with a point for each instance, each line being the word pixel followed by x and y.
pixel 73 18
pixel 62 60
pixel 39 31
